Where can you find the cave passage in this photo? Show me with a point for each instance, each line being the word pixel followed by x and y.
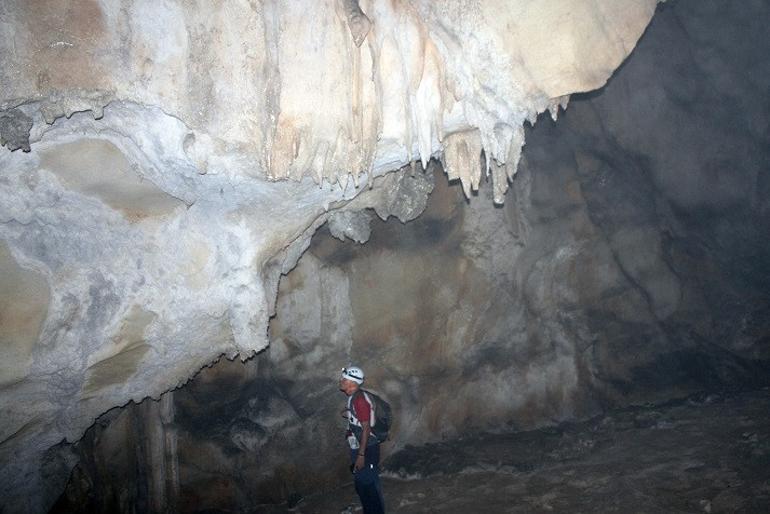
pixel 207 211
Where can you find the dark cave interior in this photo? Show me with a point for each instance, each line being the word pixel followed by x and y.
pixel 598 343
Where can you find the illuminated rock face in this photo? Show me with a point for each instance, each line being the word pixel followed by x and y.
pixel 145 232
pixel 290 87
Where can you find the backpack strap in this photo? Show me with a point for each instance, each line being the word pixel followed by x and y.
pixel 369 398
pixel 373 403
pixel 351 402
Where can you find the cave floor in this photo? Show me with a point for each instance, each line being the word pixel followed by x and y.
pixel 708 453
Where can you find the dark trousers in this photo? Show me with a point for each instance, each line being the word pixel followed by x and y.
pixel 367 480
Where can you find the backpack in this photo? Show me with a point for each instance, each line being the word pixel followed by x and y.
pixel 383 416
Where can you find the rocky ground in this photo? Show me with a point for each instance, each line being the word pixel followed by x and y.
pixel 708 453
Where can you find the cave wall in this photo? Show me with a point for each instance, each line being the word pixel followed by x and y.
pixel 629 264
pixel 163 163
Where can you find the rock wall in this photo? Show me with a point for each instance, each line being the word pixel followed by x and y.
pixel 629 264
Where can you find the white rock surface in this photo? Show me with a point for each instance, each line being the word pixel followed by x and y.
pixel 142 239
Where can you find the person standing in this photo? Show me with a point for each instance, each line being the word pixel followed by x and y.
pixel 364 445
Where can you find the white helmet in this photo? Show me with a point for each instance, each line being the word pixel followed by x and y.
pixel 354 374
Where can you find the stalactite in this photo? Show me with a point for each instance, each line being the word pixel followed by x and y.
pixel 160 445
pixel 462 154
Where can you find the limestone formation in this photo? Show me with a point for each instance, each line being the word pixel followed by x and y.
pixel 14 129
pixel 146 229
pixel 358 23
pixel 628 265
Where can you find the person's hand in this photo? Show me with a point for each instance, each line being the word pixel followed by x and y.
pixel 360 460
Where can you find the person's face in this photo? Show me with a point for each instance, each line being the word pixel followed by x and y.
pixel 347 386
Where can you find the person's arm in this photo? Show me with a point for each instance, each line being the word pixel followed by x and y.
pixel 361 457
